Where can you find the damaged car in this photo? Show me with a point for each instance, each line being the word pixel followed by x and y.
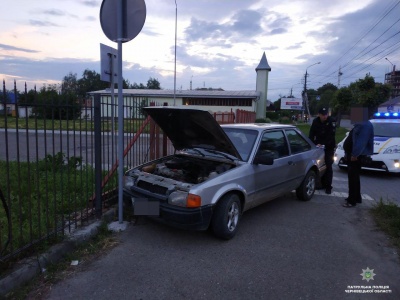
pixel 220 171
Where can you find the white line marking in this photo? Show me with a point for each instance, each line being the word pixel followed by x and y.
pixel 341 194
pixel 339 179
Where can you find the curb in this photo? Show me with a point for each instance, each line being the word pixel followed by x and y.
pixel 31 267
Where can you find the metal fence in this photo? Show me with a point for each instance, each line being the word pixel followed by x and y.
pixel 53 153
pixel 48 152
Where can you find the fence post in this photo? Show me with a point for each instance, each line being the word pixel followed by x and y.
pixel 97 154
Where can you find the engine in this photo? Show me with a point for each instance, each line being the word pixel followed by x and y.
pixel 187 170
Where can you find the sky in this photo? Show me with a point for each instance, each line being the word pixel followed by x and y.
pixel 219 42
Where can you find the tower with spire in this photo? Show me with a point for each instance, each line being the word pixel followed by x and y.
pixel 262 86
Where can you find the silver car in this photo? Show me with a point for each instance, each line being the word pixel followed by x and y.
pixel 219 172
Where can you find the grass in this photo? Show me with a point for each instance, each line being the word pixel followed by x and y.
pixel 86 253
pixel 44 197
pixel 387 217
pixel 340 131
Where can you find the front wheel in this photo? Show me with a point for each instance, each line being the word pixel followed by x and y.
pixel 226 217
pixel 307 188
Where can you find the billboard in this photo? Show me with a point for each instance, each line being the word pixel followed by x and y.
pixel 291 103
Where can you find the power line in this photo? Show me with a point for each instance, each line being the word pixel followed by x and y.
pixel 385 14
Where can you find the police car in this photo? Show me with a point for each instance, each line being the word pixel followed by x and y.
pixel 386 157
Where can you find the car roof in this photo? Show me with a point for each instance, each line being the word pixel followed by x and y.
pixel 385 120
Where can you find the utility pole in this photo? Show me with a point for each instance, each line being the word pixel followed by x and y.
pixel 305 97
pixel 339 75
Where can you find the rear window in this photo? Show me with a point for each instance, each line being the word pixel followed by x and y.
pixel 387 129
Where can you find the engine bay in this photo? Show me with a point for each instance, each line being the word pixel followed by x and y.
pixel 187 169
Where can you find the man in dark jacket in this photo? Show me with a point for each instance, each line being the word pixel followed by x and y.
pixel 358 145
pixel 322 133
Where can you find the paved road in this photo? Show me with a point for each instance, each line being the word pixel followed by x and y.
pixel 35 145
pixel 285 249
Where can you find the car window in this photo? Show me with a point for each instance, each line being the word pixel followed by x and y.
pixel 274 143
pixel 387 129
pixel 243 140
pixel 297 143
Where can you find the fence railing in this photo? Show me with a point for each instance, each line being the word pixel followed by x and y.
pixel 49 150
pixel 47 165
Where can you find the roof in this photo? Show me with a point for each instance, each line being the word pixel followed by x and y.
pixel 10 98
pixel 263 65
pixel 184 93
pixel 393 101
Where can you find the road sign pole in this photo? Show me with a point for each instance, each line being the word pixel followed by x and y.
pixel 121 21
pixel 120 114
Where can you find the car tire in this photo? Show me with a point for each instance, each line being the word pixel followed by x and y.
pixel 226 217
pixel 307 188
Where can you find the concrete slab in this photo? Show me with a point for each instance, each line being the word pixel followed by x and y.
pixel 118 226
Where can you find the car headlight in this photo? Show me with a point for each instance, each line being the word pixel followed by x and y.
pixel 128 181
pixel 184 199
pixel 392 150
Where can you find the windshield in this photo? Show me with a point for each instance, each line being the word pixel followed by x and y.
pixel 387 129
pixel 242 139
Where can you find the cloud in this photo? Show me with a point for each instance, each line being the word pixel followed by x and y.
pixel 9 47
pixel 278 31
pixel 91 3
pixel 42 23
pixel 247 22
pixel 295 46
pixel 54 12
pixel 244 24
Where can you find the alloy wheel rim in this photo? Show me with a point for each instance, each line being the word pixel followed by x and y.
pixel 233 216
pixel 310 186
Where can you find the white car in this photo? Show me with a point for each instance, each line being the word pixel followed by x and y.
pixel 386 157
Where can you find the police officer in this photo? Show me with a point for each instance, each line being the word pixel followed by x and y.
pixel 322 133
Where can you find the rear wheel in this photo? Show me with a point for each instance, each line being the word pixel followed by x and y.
pixel 307 188
pixel 226 217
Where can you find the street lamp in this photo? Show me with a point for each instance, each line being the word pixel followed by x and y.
pixel 394 67
pixel 176 21
pixel 305 98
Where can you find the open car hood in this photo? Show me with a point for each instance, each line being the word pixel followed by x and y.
pixel 190 128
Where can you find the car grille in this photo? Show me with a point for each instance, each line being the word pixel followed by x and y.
pixel 156 189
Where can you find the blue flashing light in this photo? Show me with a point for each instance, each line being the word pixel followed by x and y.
pixel 386 115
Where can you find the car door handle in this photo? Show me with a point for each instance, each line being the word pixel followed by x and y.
pixel 291 163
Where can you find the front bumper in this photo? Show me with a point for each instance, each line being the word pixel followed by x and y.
pixel 176 216
pixel 375 165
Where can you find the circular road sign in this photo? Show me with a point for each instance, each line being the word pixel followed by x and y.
pixel 133 18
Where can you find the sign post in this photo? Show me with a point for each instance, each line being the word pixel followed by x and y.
pixel 121 21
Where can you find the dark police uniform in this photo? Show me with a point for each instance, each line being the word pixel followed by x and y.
pixel 324 133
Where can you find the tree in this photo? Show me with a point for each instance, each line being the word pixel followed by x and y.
pixel 153 84
pixel 89 82
pixel 368 93
pixel 53 105
pixel 341 103
pixel 69 84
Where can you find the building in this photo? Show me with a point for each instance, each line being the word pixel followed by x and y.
pixel 393 78
pixel 392 105
pixel 9 102
pixel 213 100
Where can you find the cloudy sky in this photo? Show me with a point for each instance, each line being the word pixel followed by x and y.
pixel 219 42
